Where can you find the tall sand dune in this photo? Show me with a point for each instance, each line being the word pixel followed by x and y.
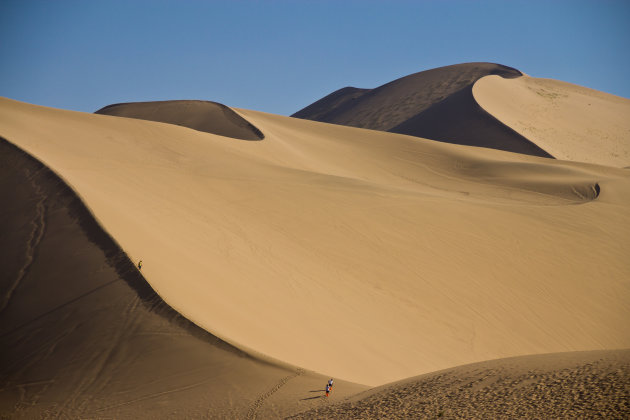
pixel 366 255
pixel 211 117
pixel 84 335
pixel 436 104
pixel 568 121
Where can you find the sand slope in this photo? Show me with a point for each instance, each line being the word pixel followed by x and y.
pixel 368 255
pixel 84 336
pixel 568 121
pixel 436 104
pixel 211 117
pixel 560 385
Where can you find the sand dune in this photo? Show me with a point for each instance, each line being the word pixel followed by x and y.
pixel 493 106
pixel 366 255
pixel 84 335
pixel 211 117
pixel 436 104
pixel 568 121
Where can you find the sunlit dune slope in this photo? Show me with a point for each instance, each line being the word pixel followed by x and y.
pixel 211 117
pixel 568 121
pixel 436 104
pixel 368 255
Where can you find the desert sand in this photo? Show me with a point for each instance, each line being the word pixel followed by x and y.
pixel 84 335
pixel 268 266
pixel 210 117
pixel 436 104
pixel 493 106
pixel 570 122
pixel 560 385
pixel 409 255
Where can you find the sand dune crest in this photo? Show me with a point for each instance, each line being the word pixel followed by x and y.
pixel 568 121
pixel 210 117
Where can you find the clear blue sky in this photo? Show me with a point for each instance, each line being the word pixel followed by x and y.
pixel 279 56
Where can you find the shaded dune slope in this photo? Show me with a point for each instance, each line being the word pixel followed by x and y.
pixel 459 119
pixel 560 385
pixel 436 104
pixel 210 117
pixel 327 108
pixel 83 334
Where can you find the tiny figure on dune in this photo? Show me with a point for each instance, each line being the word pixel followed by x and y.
pixel 140 265
pixel 327 389
pixel 330 383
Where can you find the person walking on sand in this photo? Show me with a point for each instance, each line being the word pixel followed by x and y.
pixel 327 389
pixel 140 265
pixel 330 383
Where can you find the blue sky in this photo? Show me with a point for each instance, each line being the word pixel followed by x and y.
pixel 279 56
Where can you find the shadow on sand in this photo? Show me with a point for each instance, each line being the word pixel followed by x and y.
pixel 312 398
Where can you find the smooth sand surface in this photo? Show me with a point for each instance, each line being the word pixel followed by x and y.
pixel 366 255
pixel 83 335
pixel 570 122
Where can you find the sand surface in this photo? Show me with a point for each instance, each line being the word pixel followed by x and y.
pixel 393 103
pixel 366 255
pixel 84 336
pixel 210 117
pixel 436 104
pixel 568 121
pixel 559 386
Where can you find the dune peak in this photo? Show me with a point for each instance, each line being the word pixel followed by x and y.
pixel 206 116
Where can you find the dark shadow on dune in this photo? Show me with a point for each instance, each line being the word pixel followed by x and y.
pixel 437 104
pixel 337 102
pixel 459 119
pixel 206 116
pixel 51 184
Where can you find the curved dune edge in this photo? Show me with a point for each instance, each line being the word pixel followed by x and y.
pixel 568 121
pixel 372 237
pixel 85 335
pixel 395 102
pixel 206 116
pixel 436 104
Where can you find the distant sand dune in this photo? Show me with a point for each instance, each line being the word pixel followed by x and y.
pixel 568 121
pixel 437 104
pixel 368 255
pixel 211 117
pixel 493 106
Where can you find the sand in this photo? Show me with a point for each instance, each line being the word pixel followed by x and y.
pixel 393 103
pixel 570 122
pixel 435 104
pixel 210 117
pixel 365 255
pixel 84 336
pixel 560 385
